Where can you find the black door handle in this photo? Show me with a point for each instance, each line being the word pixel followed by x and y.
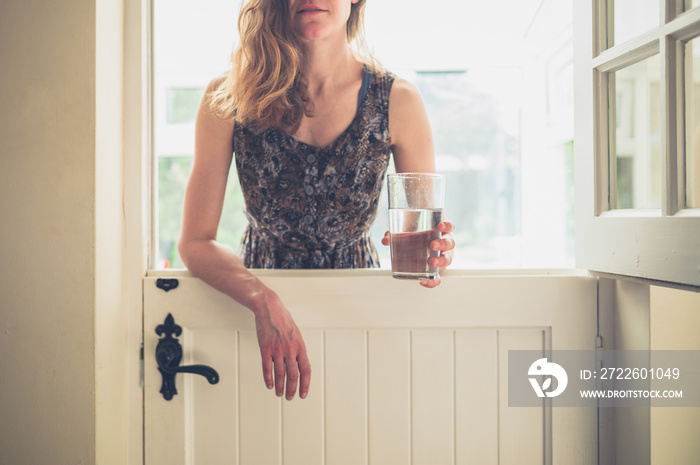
pixel 169 355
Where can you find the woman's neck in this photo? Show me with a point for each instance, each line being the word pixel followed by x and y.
pixel 327 62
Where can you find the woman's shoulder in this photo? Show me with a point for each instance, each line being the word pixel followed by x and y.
pixel 408 120
pixel 217 97
pixel 217 83
pixel 214 118
pixel 404 95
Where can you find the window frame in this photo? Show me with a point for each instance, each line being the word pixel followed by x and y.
pixel 654 245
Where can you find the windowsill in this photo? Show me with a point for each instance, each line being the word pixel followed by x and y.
pixel 182 272
pixel 487 273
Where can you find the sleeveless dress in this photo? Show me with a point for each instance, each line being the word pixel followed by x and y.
pixel 311 207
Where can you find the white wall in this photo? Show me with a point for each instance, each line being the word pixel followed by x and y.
pixel 60 260
pixel 47 187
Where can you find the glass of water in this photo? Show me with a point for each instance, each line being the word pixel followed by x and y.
pixel 416 204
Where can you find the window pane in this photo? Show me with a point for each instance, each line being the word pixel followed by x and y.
pixel 183 64
pixel 690 4
pixel 172 179
pixel 635 145
pixel 692 108
pixel 182 103
pixel 477 145
pixel 633 17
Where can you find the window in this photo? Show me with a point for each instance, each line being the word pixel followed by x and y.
pixel 191 45
pixel 181 104
pixel 691 53
pixel 636 138
pixel 500 105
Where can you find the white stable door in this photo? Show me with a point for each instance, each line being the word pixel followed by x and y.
pixel 401 374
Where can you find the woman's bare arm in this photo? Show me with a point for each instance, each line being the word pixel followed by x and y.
pixel 281 345
pixel 414 151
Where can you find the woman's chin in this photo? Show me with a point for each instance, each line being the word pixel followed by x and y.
pixel 313 32
pixel 309 36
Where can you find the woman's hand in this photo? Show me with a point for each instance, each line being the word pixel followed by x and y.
pixel 282 349
pixel 445 245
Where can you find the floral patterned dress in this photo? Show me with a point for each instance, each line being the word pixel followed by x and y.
pixel 311 207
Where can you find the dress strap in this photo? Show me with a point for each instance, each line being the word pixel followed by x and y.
pixel 366 78
pixel 383 83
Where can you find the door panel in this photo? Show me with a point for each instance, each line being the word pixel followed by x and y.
pixel 208 442
pixel 390 386
pixel 476 382
pixel 344 380
pixel 521 430
pixel 432 395
pixel 401 374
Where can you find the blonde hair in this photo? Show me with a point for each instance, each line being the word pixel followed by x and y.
pixel 265 85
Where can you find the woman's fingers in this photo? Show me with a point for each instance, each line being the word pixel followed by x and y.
pixel 446 227
pixel 443 261
pixel 284 360
pixel 430 283
pixel 297 366
pixel 386 240
pixel 280 372
pixel 443 244
pixel 304 374
pixel 267 369
pixel 292 378
pixel 287 374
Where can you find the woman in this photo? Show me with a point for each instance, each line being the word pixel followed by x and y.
pixel 312 127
